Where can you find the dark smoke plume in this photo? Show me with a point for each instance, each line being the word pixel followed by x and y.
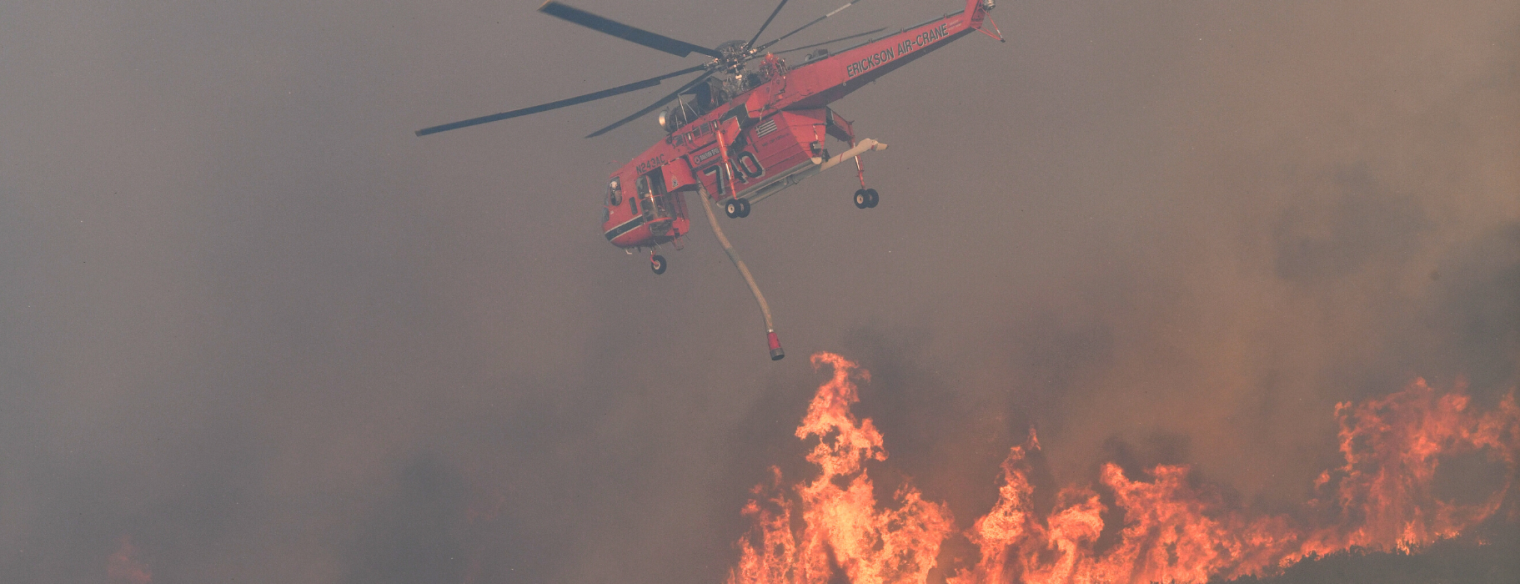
pixel 254 327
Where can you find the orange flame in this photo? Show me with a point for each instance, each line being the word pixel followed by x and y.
pixel 841 523
pixel 1381 498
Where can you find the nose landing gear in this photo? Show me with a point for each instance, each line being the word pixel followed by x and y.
pixel 656 263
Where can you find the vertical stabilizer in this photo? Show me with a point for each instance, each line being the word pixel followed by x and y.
pixel 976 11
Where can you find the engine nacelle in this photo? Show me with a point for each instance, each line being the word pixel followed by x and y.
pixel 674 118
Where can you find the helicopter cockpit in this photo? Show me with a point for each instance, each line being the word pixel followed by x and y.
pixel 614 193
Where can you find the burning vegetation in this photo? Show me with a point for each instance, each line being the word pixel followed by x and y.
pixel 1161 527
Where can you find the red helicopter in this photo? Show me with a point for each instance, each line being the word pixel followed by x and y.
pixel 746 128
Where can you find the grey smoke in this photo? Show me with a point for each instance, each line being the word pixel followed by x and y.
pixel 248 320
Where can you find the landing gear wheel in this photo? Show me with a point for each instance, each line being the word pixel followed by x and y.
pixel 733 208
pixel 862 199
pixel 657 264
pixel 875 198
pixel 743 208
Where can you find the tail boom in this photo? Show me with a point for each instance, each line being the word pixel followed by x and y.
pixel 817 83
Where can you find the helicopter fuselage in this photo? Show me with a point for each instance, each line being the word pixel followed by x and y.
pixel 770 135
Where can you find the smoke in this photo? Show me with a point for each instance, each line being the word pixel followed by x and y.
pixel 255 327
pixel 1450 561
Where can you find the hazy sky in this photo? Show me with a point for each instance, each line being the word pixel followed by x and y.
pixel 253 326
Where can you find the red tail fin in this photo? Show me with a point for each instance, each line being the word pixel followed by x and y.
pixel 976 10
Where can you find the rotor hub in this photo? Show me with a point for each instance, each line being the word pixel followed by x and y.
pixel 734 52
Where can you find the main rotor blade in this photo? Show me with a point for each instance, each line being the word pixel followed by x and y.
pixel 752 40
pixel 801 28
pixel 651 82
pixel 638 35
pixel 655 106
pixel 869 32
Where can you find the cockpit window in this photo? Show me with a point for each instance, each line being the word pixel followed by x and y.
pixel 614 193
